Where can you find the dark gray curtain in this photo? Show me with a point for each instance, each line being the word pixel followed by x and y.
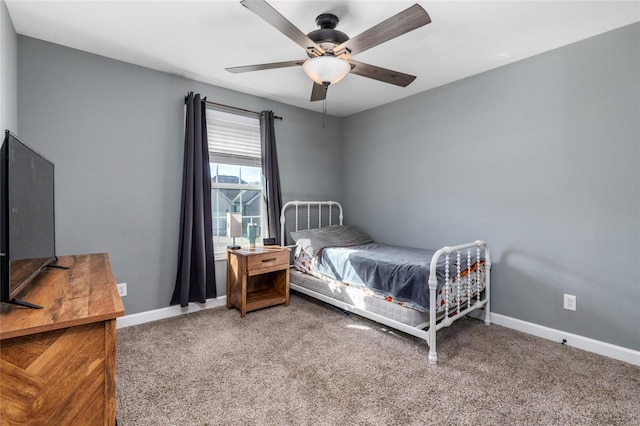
pixel 195 281
pixel 271 173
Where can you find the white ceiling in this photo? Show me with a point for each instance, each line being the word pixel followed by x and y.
pixel 198 39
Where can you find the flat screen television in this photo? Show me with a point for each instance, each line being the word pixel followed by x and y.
pixel 27 223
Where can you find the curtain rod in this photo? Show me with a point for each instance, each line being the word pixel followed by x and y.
pixel 231 107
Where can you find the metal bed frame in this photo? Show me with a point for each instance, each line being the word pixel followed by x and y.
pixel 454 280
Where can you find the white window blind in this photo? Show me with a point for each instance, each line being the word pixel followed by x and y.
pixel 233 138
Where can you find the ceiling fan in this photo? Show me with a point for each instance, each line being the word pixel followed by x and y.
pixel 330 50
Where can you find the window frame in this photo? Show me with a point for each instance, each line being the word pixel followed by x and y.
pixel 220 249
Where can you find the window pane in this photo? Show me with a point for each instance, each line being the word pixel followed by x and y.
pixel 251 175
pixel 248 202
pixel 226 173
pixel 219 208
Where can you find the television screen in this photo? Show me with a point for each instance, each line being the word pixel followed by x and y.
pixel 28 224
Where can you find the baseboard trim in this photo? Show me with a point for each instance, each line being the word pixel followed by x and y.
pixel 168 312
pixel 577 341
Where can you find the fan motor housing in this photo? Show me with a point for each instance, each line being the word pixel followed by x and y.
pixel 327 36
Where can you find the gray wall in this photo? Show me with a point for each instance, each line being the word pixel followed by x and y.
pixel 115 133
pixel 541 159
pixel 8 72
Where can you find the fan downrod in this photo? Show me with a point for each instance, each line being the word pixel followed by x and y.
pixel 327 20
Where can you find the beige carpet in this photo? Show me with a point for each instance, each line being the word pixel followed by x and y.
pixel 310 364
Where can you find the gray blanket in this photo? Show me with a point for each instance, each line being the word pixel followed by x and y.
pixel 400 272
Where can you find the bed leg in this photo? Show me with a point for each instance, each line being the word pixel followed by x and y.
pixel 433 286
pixel 487 315
pixel 487 308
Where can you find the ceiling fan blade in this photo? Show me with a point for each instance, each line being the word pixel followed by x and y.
pixel 275 19
pixel 318 92
pixel 405 21
pixel 260 67
pixel 381 74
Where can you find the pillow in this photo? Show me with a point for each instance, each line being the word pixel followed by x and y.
pixel 314 240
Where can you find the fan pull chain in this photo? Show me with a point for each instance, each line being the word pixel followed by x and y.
pixel 324 110
pixel 325 86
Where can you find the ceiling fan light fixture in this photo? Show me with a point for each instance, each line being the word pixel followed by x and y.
pixel 326 69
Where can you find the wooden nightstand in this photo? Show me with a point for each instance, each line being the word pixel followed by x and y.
pixel 257 278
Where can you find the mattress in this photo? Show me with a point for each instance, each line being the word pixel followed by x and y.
pixel 361 298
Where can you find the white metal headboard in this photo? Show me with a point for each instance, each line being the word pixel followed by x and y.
pixel 308 205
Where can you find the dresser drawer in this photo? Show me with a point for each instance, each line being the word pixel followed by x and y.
pixel 272 261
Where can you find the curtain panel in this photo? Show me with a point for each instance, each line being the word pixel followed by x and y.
pixel 195 280
pixel 271 173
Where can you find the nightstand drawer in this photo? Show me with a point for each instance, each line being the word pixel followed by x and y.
pixel 262 262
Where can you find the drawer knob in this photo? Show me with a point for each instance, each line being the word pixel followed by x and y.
pixel 268 260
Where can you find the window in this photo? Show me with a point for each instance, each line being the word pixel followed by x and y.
pixel 236 173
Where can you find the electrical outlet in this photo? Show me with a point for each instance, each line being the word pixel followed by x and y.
pixel 122 289
pixel 570 302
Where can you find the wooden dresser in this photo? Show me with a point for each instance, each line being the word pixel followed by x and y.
pixel 58 364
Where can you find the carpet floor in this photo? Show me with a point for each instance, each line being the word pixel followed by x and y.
pixel 311 364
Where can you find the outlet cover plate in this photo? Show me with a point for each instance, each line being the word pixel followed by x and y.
pixel 122 289
pixel 570 302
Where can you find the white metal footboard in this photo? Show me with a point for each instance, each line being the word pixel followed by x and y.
pixel 453 292
pixel 464 292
